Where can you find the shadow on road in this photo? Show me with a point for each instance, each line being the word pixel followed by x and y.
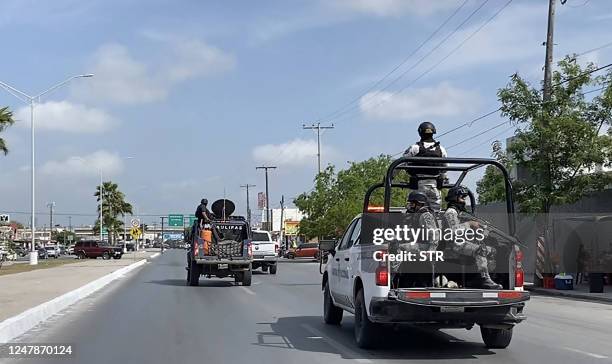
pixel 203 283
pixel 302 333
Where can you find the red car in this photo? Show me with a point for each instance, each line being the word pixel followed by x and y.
pixel 304 250
pixel 94 249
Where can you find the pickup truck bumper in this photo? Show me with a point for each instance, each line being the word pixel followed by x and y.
pixel 234 265
pixel 449 312
pixel 265 258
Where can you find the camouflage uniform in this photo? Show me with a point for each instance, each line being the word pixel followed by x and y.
pixel 456 219
pixel 424 219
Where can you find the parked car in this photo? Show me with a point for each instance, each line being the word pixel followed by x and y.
pixel 20 251
pixel 70 250
pixel 52 251
pixel 94 249
pixel 305 250
pixel 42 253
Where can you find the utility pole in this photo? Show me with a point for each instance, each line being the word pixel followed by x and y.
pixel 282 204
pixel 162 232
pixel 268 223
pixel 50 205
pixel 317 126
pixel 248 206
pixel 549 52
pixel 70 223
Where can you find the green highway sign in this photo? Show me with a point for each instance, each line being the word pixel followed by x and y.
pixel 192 219
pixel 175 220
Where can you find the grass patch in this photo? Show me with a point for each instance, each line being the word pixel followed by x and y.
pixel 26 267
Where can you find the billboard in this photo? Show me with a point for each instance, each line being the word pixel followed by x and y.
pixel 261 200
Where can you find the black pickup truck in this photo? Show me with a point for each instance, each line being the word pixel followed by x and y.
pixel 221 248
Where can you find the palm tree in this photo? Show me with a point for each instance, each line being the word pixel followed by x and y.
pixel 6 120
pixel 113 205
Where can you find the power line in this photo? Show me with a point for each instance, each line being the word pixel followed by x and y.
pixel 418 48
pixel 449 54
pixel 606 45
pixel 419 61
pixel 486 141
pixel 479 134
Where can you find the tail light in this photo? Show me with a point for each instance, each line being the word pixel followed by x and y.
pixel 196 249
pixel 250 249
pixel 373 208
pixel 276 248
pixel 382 276
pixel 519 274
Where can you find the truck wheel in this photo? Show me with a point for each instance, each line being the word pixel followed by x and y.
pixel 106 256
pixel 332 315
pixel 264 268
pixel 496 338
pixel 290 256
pixel 194 273
pixel 367 333
pixel 81 255
pixel 273 269
pixel 246 277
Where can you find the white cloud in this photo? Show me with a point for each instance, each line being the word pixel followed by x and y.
pixel 384 8
pixel 439 101
pixel 197 59
pixel 295 152
pixel 109 163
pixel 66 116
pixel 120 78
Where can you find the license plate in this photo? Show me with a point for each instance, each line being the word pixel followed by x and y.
pixel 222 266
pixel 452 309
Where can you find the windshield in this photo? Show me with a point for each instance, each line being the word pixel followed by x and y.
pixel 259 236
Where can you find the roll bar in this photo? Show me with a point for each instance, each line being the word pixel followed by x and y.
pixel 463 165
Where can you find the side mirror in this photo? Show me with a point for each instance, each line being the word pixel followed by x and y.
pixel 327 246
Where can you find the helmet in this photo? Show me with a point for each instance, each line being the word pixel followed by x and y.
pixel 204 201
pixel 426 128
pixel 455 192
pixel 418 196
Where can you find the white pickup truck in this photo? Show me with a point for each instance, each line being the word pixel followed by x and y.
pixel 265 251
pixel 355 282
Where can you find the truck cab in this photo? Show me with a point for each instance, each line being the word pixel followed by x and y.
pixel 356 279
pixel 265 251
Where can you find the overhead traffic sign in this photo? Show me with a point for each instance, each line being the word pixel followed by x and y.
pixel 175 220
pixel 192 220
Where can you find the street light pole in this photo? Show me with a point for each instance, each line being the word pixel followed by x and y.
pixel 31 100
pixel 101 204
pixel 268 222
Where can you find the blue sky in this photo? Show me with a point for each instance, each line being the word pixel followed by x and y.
pixel 198 93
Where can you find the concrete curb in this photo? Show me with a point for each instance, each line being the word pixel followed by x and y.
pixel 20 324
pixel 570 294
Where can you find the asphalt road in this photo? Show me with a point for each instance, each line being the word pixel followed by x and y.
pixel 151 316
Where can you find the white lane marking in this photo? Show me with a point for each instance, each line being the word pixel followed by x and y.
pixel 314 337
pixel 598 356
pixel 343 350
pixel 256 283
pixel 248 290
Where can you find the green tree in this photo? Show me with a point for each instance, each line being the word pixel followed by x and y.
pixel 113 206
pixel 64 237
pixel 560 142
pixel 6 120
pixel 337 197
pixel 492 188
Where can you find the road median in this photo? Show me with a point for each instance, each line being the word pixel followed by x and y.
pixel 29 298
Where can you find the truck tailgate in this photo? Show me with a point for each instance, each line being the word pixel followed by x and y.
pixel 263 248
pixel 460 297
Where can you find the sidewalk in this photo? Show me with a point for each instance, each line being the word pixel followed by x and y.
pixel 22 291
pixel 580 291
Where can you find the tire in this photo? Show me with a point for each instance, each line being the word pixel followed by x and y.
pixel 332 315
pixel 106 256
pixel 194 273
pixel 496 338
pixel 290 256
pixel 367 333
pixel 273 269
pixel 81 255
pixel 264 268
pixel 246 277
pixel 117 257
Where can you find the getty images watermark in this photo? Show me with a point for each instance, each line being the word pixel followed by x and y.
pixel 403 234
